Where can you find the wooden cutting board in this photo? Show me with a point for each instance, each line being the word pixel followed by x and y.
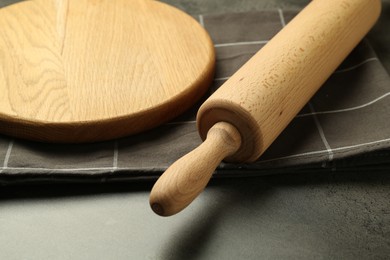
pixel 92 70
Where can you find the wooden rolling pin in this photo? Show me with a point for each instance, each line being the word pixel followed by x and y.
pixel 246 114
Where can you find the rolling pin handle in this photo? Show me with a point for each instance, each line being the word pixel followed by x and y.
pixel 184 180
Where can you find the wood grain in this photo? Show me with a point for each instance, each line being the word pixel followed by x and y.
pixel 264 95
pixel 82 71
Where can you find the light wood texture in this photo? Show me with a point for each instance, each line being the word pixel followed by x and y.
pixel 83 70
pixel 272 87
pixel 263 96
pixel 188 176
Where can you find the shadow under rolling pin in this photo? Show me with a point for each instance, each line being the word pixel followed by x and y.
pixel 246 114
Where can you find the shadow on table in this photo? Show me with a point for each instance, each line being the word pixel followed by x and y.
pixel 245 201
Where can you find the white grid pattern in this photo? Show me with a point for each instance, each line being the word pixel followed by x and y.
pixel 313 113
pixel 201 21
pixel 357 65
pixel 321 132
pixel 345 109
pixel 221 79
pixel 281 16
pixel 7 155
pixel 387 140
pixel 114 169
pixel 116 154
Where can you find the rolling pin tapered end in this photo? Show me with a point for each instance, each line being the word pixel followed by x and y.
pixel 185 179
pixel 157 208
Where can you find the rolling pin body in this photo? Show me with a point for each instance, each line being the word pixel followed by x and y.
pixel 264 95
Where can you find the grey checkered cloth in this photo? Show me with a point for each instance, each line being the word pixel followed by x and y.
pixel 345 126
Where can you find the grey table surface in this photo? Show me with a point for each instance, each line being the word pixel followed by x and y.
pixel 306 216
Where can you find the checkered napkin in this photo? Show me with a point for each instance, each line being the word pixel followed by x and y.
pixel 345 126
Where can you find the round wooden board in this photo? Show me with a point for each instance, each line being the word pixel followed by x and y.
pixel 92 70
